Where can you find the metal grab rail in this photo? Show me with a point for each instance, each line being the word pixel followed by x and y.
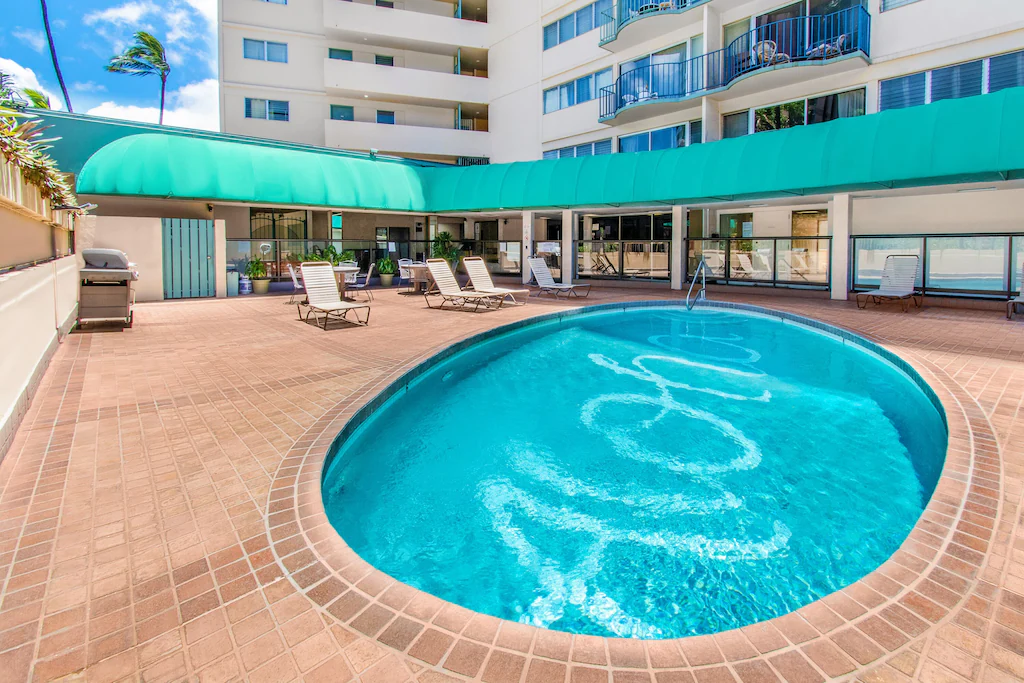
pixel 702 269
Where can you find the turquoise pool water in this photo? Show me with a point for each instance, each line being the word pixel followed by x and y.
pixel 652 473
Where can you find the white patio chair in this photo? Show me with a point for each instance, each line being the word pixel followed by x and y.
pixel 350 278
pixel 546 283
pixel 480 280
pixel 323 295
pixel 899 283
pixel 364 286
pixel 404 272
pixel 1012 304
pixel 296 284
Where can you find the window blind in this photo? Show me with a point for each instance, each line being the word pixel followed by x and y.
pixel 1006 71
pixel 952 82
pixel 899 93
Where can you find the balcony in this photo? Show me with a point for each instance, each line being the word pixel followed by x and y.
pixel 402 29
pixel 407 140
pixel 403 85
pixel 825 41
pixel 623 28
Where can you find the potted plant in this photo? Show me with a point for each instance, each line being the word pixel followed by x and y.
pixel 387 269
pixel 444 248
pixel 256 270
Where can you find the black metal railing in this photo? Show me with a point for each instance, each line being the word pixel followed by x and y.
pixel 503 257
pixel 801 39
pixel 804 262
pixel 959 264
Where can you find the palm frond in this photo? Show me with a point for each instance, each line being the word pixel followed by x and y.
pixel 38 99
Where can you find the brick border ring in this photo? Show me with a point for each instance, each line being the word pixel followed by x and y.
pixel 883 614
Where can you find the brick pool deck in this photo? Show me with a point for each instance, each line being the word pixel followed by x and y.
pixel 160 518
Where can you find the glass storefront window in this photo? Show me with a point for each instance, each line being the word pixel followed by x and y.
pixel 604 228
pixel 663 226
pixel 636 227
pixel 736 225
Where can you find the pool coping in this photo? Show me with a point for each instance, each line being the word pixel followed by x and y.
pixel 854 629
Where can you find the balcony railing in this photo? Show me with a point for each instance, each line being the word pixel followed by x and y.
pixel 803 262
pixel 627 11
pixel 503 257
pixel 967 264
pixel 809 39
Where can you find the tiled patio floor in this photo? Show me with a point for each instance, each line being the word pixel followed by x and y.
pixel 159 518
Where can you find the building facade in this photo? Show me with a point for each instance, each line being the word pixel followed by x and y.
pixel 513 80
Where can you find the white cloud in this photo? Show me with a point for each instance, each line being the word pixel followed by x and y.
pixel 122 15
pixel 195 105
pixel 206 8
pixel 88 86
pixel 24 77
pixel 34 39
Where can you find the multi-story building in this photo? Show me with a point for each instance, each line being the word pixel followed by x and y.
pixel 515 80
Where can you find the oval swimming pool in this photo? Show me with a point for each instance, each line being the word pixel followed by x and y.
pixel 648 473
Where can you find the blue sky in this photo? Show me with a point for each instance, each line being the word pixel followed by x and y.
pixel 88 32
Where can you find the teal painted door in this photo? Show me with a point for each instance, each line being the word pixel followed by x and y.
pixel 188 258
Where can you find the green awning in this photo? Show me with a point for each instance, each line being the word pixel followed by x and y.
pixel 977 139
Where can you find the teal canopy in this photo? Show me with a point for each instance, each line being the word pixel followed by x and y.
pixel 926 145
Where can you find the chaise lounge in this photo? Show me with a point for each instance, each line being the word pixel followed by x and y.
pixel 546 283
pixel 481 280
pixel 899 283
pixel 323 296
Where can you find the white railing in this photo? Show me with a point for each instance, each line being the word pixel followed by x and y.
pixel 25 198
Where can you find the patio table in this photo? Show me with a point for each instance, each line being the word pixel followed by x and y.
pixel 420 276
pixel 340 272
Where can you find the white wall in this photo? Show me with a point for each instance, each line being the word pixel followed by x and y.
pixel 35 304
pixel 1001 211
pixel 140 238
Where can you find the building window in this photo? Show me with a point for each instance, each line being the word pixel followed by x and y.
pixel 588 149
pixel 576 92
pixel 736 224
pixel 384 60
pixel 779 116
pixel 385 3
pixel 801 112
pixel 337 53
pixel 277 2
pixel 385 117
pixel 267 224
pixel 893 4
pixel 736 125
pixel 1006 71
pixel 952 82
pixel 265 50
pixel 342 112
pixel 272 110
pixel 839 106
pixel 582 21
pixel 663 138
pixel 696 132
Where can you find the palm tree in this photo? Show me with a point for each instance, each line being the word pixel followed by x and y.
pixel 145 57
pixel 38 99
pixel 53 56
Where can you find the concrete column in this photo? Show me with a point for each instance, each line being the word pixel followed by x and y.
pixel 712 29
pixel 568 246
pixel 527 245
pixel 220 256
pixel 840 218
pixel 678 266
pixel 711 115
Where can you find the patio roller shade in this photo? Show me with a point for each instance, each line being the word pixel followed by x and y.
pixel 977 139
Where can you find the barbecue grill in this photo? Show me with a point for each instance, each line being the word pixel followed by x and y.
pixel 106 291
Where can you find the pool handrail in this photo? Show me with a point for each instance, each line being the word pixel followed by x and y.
pixel 702 269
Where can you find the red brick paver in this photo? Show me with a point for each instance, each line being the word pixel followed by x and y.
pixel 160 518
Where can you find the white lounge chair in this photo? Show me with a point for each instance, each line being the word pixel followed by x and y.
pixel 1012 304
pixel 323 296
pixel 481 280
pixel 899 283
pixel 404 272
pixel 447 287
pixel 350 278
pixel 296 284
pixel 546 283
